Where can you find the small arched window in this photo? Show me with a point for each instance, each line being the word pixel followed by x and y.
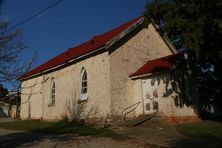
pixel 52 93
pixel 84 85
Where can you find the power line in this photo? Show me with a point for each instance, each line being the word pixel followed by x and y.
pixel 31 17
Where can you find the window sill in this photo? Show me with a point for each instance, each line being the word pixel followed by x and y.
pixel 82 101
pixel 51 105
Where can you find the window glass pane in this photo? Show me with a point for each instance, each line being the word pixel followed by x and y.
pixel 84 75
pixel 84 82
pixel 52 95
pixel 52 102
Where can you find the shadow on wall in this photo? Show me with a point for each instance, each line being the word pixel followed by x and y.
pixel 31 90
pixel 3 114
pixel 181 84
pixel 8 110
pixel 79 111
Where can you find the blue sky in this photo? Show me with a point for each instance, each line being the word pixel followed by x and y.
pixel 69 23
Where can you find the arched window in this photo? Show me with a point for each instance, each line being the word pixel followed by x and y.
pixel 84 85
pixel 52 93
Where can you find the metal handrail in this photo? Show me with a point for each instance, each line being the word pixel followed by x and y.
pixel 124 115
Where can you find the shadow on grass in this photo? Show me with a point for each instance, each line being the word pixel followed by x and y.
pixel 209 130
pixel 37 132
pixel 28 139
pixel 196 143
pixel 81 130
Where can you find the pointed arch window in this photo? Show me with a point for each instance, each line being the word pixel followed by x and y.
pixel 84 84
pixel 52 93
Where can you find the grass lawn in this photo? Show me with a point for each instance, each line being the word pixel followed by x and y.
pixel 60 128
pixel 204 129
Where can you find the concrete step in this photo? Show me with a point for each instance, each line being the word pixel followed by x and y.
pixel 156 121
pixel 137 121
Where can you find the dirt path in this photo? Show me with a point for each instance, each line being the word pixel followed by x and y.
pixel 165 136
pixel 149 134
pixel 11 138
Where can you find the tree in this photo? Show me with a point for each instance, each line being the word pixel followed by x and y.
pixel 3 91
pixel 196 27
pixel 12 49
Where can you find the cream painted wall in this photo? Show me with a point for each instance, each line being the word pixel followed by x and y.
pixel 110 89
pixel 145 45
pixel 31 98
pixel 167 105
pixel 68 88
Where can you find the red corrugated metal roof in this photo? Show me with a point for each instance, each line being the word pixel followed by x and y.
pixel 95 43
pixel 157 64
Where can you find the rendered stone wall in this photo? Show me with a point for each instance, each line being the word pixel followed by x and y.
pixel 68 90
pixel 126 59
pixel 166 96
pixel 110 89
pixel 31 99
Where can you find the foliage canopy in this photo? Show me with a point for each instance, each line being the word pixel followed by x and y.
pixel 192 25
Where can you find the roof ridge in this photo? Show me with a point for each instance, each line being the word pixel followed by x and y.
pixel 85 48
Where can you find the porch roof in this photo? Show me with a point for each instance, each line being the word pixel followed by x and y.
pixel 156 65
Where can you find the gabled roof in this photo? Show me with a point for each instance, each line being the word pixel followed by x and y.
pixel 157 65
pixel 88 47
